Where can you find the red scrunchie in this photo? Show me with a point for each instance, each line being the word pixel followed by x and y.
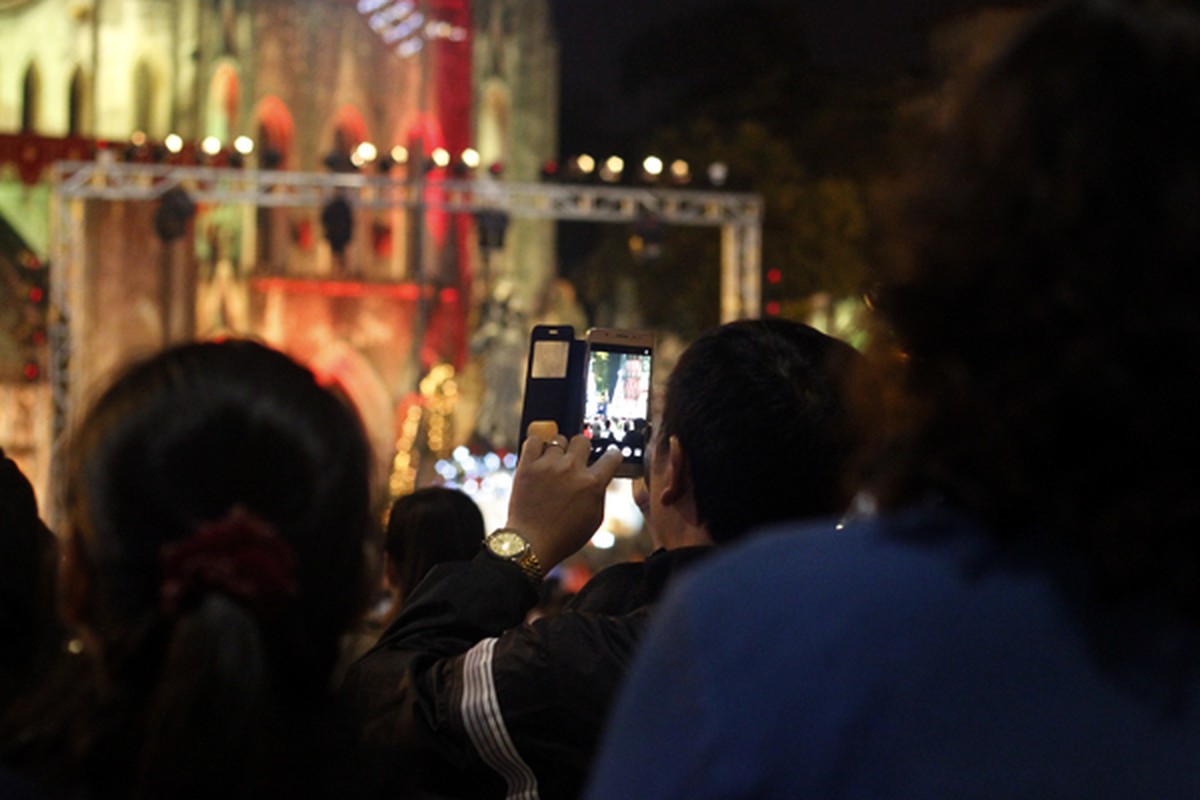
pixel 240 556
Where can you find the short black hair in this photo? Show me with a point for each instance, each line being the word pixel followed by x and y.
pixel 762 410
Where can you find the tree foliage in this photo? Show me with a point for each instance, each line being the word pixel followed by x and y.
pixel 736 86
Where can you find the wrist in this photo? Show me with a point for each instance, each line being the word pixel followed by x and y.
pixel 511 544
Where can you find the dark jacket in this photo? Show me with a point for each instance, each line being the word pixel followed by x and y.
pixel 488 706
pixel 29 632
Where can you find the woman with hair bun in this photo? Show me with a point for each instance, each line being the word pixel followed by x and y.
pixel 217 506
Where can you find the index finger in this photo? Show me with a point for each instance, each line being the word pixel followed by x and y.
pixel 533 447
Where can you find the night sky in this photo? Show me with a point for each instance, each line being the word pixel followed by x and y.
pixel 842 36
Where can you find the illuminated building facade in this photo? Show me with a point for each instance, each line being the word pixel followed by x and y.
pixel 417 90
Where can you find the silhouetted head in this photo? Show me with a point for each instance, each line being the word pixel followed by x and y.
pixel 219 481
pixel 428 527
pixel 763 412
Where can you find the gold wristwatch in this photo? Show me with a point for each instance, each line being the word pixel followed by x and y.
pixel 510 545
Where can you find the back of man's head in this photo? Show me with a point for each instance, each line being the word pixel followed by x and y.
pixel 761 409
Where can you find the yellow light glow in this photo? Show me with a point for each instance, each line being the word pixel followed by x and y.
pixel 400 154
pixel 615 164
pixel 586 163
pixel 653 166
pixel 366 152
pixel 173 143
pixel 244 145
pixel 211 145
pixel 441 157
pixel 138 138
pixel 470 158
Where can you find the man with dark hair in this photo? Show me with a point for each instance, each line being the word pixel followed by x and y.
pixel 756 428
pixel 752 407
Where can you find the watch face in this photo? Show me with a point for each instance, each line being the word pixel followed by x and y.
pixel 506 544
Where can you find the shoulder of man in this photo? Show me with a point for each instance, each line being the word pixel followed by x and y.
pixel 624 588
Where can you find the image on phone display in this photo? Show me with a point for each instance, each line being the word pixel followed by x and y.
pixel 617 399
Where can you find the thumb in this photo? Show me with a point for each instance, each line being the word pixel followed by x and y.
pixel 606 466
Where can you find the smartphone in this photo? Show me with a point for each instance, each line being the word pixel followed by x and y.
pixel 616 394
pixel 553 380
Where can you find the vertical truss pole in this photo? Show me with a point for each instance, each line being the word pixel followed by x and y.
pixel 741 271
pixel 731 299
pixel 750 263
pixel 65 256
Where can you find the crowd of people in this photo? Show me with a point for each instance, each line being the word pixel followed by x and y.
pixel 963 564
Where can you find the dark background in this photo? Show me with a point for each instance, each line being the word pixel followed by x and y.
pixel 808 102
pixel 600 39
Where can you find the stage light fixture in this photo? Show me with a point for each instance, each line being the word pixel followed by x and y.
pixel 338 161
pixel 612 169
pixel 244 145
pixel 175 209
pixel 173 143
pixel 470 158
pixel 680 171
pixel 337 220
pixel 718 173
pixel 211 145
pixel 364 154
pixel 441 157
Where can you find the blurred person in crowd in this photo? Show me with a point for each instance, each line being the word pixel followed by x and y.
pixel 29 633
pixel 217 505
pixel 425 527
pixel 1021 616
pixel 756 428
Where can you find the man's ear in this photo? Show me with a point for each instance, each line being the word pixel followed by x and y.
pixel 677 477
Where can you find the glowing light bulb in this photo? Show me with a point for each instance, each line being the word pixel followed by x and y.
pixel 367 152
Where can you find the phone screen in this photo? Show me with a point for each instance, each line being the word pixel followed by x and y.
pixel 617 399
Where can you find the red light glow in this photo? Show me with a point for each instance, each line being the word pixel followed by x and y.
pixel 334 288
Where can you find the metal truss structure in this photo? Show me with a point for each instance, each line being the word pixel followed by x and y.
pixel 738 216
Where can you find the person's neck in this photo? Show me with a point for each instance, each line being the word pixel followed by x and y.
pixel 685 536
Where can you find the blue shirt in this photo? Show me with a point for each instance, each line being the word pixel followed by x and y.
pixel 904 657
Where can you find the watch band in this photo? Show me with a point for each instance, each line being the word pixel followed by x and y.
pixel 526 559
pixel 532 568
